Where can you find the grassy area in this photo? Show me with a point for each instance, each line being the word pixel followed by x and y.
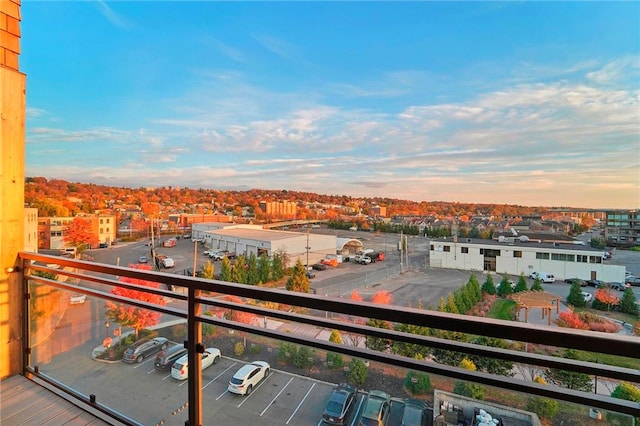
pixel 618 361
pixel 502 309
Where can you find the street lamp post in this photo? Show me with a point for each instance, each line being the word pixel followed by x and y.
pixel 106 327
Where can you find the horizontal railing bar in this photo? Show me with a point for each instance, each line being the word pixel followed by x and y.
pixel 616 345
pixel 435 342
pixel 110 296
pixel 31 374
pixel 514 384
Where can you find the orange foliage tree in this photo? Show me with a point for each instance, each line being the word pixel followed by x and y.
pixel 355 296
pixel 238 316
pixel 570 319
pixel 79 233
pixel 131 316
pixel 382 298
pixel 606 296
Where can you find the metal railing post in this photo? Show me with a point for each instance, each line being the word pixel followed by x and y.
pixel 194 349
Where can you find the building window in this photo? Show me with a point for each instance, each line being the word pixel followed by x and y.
pixel 107 230
pixel 464 250
pixel 595 259
pixel 542 256
pixel 517 253
pixel 101 221
pixel 446 248
pixel 101 230
pixel 582 259
pixel 571 258
pixel 431 247
pixel 108 220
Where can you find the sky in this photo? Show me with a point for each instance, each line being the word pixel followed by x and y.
pixel 529 103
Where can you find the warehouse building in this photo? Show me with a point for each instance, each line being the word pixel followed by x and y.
pixel 519 255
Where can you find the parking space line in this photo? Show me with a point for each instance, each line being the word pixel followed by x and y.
pixel 301 402
pixel 218 376
pixel 143 363
pixel 166 377
pixel 276 397
pixel 222 394
pixel 246 397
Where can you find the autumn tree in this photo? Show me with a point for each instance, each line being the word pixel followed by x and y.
pixel 225 269
pixel 239 271
pixel 378 343
pixel 238 315
pixel 604 297
pixel 131 316
pixel 298 281
pixel 208 270
pixel 264 268
pixel 79 233
pixel 355 296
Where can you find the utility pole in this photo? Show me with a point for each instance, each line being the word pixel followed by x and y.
pixel 308 245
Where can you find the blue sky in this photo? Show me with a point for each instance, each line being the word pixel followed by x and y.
pixel 515 102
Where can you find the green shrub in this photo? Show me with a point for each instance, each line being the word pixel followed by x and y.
pixel 357 372
pixel 545 408
pixel 304 357
pixel 254 349
pixel 470 390
pixel 417 383
pixel 334 360
pixel 287 352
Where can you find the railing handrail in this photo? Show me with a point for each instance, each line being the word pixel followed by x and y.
pixel 606 343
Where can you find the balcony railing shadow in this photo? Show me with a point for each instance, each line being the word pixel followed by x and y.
pixel 193 300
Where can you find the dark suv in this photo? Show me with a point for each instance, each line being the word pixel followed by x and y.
pixel 339 404
pixel 144 348
pixel 165 359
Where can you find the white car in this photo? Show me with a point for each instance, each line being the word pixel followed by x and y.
pixel 77 299
pixel 588 297
pixel 180 368
pixel 248 377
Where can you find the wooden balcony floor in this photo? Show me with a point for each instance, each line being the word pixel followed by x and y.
pixel 24 402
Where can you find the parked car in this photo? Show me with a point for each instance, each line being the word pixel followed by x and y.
pixel 77 299
pixel 319 266
pixel 180 368
pixel 143 259
pixel 582 282
pixel 310 275
pixel 376 409
pixel 165 359
pixel 168 262
pixel 144 348
pixel 414 413
pixel 631 280
pixel 542 276
pixel 588 297
pixel 340 402
pixel 248 377
pixel 618 286
pixel 364 260
pixel 595 283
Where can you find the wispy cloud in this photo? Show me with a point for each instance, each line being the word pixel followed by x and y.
pixel 113 17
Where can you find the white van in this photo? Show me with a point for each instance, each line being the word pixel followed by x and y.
pixel 168 263
pixel 542 276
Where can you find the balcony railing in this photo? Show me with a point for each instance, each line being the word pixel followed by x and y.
pixel 62 335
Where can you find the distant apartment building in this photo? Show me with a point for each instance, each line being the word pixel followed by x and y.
pixel 31 229
pixel 279 209
pixel 622 227
pixel 186 220
pixel 51 230
pixel 379 211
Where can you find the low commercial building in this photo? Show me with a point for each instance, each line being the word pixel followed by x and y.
pixel 515 256
pixel 451 409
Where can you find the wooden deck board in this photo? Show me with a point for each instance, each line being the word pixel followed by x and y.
pixel 24 402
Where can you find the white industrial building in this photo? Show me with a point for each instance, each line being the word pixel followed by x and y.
pixel 310 248
pixel 515 256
